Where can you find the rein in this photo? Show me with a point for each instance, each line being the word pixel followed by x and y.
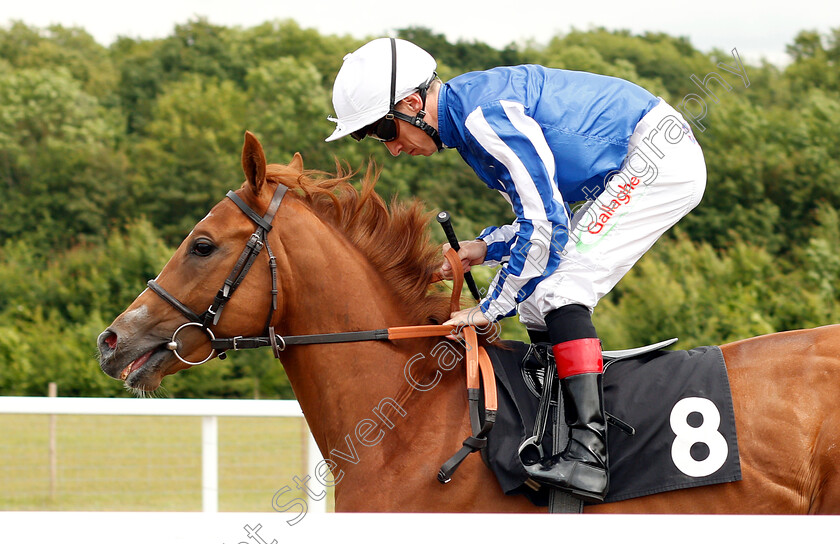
pixel 479 367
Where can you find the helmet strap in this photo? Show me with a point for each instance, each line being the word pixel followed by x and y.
pixel 417 120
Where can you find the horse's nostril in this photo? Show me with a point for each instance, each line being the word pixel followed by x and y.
pixel 109 339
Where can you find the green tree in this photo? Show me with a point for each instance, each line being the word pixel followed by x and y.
pixel 98 144
pixel 62 179
pixel 462 56
pixel 53 310
pixel 70 49
pixel 199 47
pixel 190 155
pixel 285 38
pixel 285 101
pixel 815 61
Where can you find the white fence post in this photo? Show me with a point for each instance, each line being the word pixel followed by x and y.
pixel 210 464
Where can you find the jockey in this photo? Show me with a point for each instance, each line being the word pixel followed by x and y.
pixel 543 138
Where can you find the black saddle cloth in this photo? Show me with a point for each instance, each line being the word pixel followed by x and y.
pixel 678 403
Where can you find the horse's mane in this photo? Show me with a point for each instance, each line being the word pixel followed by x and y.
pixel 394 238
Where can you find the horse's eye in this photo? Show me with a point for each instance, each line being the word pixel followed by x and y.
pixel 202 248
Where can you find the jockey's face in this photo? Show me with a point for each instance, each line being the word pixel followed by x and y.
pixel 412 140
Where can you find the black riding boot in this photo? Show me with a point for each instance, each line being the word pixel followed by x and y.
pixel 582 468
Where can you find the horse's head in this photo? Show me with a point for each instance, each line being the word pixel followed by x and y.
pixel 139 347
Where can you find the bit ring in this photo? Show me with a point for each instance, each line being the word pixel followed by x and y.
pixel 172 345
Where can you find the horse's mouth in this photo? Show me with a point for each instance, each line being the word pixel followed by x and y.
pixel 138 372
pixel 137 363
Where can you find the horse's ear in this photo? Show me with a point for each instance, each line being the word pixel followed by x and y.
pixel 297 163
pixel 253 162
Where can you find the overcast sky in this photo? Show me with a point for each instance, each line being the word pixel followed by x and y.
pixel 756 29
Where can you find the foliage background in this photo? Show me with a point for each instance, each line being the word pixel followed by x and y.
pixel 109 155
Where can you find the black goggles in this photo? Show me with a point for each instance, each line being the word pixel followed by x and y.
pixel 385 130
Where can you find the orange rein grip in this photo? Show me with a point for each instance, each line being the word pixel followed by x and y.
pixel 457 279
pixel 471 345
pixel 489 379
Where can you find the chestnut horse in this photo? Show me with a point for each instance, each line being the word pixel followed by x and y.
pixel 347 263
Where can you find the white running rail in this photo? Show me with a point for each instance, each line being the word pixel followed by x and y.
pixel 208 409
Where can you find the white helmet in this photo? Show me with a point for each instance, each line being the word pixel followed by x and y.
pixel 362 89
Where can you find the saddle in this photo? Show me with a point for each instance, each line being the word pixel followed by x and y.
pixel 536 361
pixel 539 374
pixel 671 424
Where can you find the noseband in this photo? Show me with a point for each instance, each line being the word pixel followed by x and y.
pixel 210 317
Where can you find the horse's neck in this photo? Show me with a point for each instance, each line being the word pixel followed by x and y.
pixel 328 286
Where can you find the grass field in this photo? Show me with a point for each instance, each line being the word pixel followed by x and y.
pixel 138 463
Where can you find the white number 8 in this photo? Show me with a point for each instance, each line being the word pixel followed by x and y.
pixel 707 433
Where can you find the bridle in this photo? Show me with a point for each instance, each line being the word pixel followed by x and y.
pixel 253 247
pixel 478 363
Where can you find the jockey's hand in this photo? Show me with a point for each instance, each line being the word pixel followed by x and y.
pixel 472 252
pixel 468 316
